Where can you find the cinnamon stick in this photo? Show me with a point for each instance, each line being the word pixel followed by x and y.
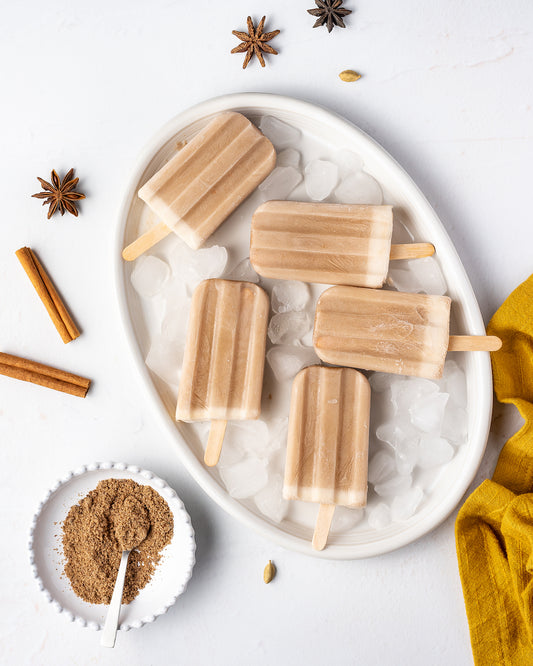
pixel 44 375
pixel 46 291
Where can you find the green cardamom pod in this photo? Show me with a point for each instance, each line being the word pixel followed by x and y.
pixel 349 75
pixel 269 572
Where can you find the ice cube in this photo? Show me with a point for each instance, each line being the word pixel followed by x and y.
pixel 289 296
pixel 174 325
pixel 320 178
pixel 175 293
pixel 286 361
pixel 182 260
pixel 381 467
pixel 345 519
pixel 417 275
pixel 276 461
pixel 433 450
pixel 288 327
pixel 270 499
pixel 349 162
pixel 149 276
pixel 379 517
pixel 407 392
pixel 245 272
pixel 289 157
pixel 193 266
pixel 251 437
pixel 429 275
pixel 404 280
pixel 455 424
pixel 396 485
pixel 165 358
pixel 381 381
pixel 390 433
pixel 281 134
pixel 245 478
pixel 211 261
pixel 280 183
pixel 359 188
pixel 454 383
pixel 400 231
pixel 230 453
pixel 396 432
pixel 404 506
pixel 406 454
pixel 427 413
pixel 277 432
pixel 398 385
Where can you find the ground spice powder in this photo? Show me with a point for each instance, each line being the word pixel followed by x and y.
pixel 91 538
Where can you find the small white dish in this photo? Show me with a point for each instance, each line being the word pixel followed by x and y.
pixel 323 133
pixel 46 553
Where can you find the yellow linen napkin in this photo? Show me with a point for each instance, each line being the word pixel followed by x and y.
pixel 494 528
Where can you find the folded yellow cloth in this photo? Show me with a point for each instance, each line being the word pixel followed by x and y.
pixel 494 528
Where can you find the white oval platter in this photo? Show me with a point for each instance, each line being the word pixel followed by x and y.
pixel 323 133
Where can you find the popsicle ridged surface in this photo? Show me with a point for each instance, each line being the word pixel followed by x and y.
pixel 387 331
pixel 327 446
pixel 208 178
pixel 345 244
pixel 222 375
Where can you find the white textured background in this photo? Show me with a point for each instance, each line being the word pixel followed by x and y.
pixel 446 89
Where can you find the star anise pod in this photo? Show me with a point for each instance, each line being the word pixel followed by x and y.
pixel 60 194
pixel 254 42
pixel 329 12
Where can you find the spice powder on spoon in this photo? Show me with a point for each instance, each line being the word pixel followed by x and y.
pixel 96 529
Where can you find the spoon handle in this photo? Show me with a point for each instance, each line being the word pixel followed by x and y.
pixel 109 632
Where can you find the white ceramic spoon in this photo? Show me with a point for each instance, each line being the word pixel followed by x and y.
pixel 109 632
pixel 130 532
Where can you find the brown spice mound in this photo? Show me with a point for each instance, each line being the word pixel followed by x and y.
pixel 116 512
pixel 132 523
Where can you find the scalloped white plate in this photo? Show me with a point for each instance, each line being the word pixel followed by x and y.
pixel 46 553
pixel 323 133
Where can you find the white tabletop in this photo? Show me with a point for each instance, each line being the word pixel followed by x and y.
pixel 446 89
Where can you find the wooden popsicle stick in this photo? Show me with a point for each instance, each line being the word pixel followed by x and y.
pixel 411 251
pixel 474 343
pixel 146 241
pixel 214 442
pixel 323 523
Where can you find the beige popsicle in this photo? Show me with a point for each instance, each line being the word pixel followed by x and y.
pixel 327 446
pixel 389 331
pixel 222 374
pixel 327 243
pixel 205 181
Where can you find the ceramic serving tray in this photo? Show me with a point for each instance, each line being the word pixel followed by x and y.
pixel 323 135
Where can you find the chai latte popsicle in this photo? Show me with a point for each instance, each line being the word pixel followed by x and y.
pixel 327 446
pixel 205 181
pixel 389 331
pixel 222 374
pixel 327 243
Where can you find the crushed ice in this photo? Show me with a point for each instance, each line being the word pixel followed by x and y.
pixel 426 423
